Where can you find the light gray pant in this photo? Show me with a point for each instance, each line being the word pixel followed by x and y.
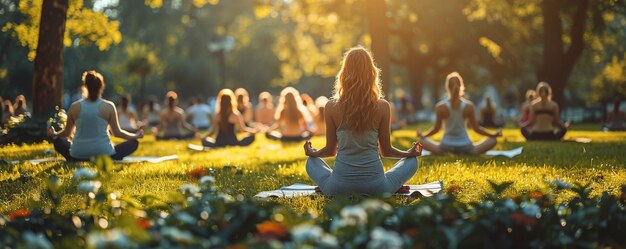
pixel 390 182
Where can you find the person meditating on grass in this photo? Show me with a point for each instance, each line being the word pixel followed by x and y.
pixel 227 117
pixel 291 117
pixel 357 129
pixel 91 116
pixel 172 122
pixel 453 113
pixel 616 119
pixel 543 116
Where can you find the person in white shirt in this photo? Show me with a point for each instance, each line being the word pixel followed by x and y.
pixel 199 115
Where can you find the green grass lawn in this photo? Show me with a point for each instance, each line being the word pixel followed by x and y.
pixel 267 165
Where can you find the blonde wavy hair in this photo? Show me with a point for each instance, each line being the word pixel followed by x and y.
pixel 544 88
pixel 357 89
pixel 290 106
pixel 455 86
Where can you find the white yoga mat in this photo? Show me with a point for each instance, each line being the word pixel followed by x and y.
pixel 300 189
pixel 128 159
pixel 507 153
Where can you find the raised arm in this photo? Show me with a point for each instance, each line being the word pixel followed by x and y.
pixel 241 124
pixel 438 120
pixel 70 124
pixel 469 114
pixel 331 136
pixel 111 112
pixel 557 118
pixel 384 135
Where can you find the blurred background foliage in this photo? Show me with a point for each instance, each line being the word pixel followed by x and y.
pixel 144 48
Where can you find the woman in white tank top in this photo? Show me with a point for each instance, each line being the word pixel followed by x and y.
pixel 90 117
pixel 453 114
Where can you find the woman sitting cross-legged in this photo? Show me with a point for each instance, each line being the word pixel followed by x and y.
pixel 172 122
pixel 453 113
pixel 226 119
pixel 543 117
pixel 357 129
pixel 91 116
pixel 291 117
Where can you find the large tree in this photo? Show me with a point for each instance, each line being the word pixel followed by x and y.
pixel 48 26
pixel 48 78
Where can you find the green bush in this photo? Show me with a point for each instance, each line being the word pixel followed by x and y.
pixel 200 216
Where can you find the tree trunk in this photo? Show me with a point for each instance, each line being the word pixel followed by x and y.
pixel 48 75
pixel 557 64
pixel 379 32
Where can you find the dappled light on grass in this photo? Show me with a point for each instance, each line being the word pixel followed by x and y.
pixel 267 165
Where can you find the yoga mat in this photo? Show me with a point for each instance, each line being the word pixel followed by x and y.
pixel 196 147
pixel 128 159
pixel 300 189
pixel 39 160
pixel 507 153
pixel 147 159
pixel 582 140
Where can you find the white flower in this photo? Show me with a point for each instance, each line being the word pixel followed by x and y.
pixel 314 234
pixel 306 232
pixel 374 205
pixel 509 204
pixel 530 209
pixel 114 238
pixel 424 211
pixel 381 238
pixel 353 215
pixel 176 234
pixel 84 174
pixel 207 180
pixel 559 184
pixel 36 241
pixel 185 217
pixel 189 189
pixel 89 186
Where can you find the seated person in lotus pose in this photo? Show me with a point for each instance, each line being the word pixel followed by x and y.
pixel 531 95
pixel 172 122
pixel 543 117
pixel 357 129
pixel 291 117
pixel 150 113
pixel 488 117
pixel 199 113
pixel 20 107
pixel 615 120
pixel 127 117
pixel 244 106
pixel 7 112
pixel 265 110
pixel 91 116
pixel 453 113
pixel 227 117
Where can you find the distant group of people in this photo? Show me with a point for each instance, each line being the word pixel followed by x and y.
pixel 15 109
pixel 356 123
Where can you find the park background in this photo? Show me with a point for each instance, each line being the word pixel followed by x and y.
pixel 554 195
pixel 502 48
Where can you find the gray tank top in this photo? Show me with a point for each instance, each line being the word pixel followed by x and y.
pixel 454 127
pixel 357 156
pixel 91 137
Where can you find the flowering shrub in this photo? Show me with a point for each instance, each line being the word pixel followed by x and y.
pixel 200 216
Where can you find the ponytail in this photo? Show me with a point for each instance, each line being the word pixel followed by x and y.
pixel 94 82
pixel 455 86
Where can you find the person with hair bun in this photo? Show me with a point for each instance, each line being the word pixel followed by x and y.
pixel 20 107
pixel 357 130
pixel 127 116
pixel 544 117
pixel 244 106
pixel 264 113
pixel 227 117
pixel 90 118
pixel 453 114
pixel 172 124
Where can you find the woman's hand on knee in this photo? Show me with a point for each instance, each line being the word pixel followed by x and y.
pixel 415 150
